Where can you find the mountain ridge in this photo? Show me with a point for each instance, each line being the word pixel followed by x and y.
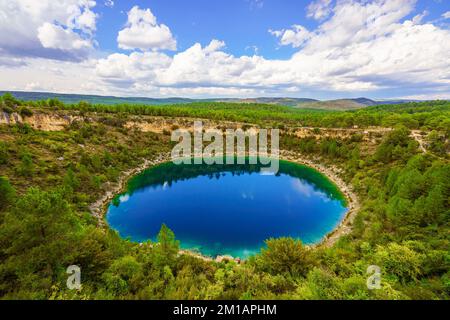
pixel 303 103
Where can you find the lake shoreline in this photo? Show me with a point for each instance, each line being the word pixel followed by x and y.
pixel 100 207
pixel 332 173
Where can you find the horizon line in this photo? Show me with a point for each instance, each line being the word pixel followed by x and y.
pixel 406 99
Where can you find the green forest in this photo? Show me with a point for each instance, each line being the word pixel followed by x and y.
pixel 48 179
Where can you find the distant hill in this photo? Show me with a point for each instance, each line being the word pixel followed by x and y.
pixel 304 103
pixel 347 104
pixel 341 104
pixel 365 101
pixel 291 102
pixel 94 99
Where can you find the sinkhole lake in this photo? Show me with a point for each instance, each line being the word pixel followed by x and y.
pixel 227 209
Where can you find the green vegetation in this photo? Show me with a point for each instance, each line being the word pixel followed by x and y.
pixel 7 193
pixel 49 179
pixel 433 115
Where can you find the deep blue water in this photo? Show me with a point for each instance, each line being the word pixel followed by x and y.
pixel 228 210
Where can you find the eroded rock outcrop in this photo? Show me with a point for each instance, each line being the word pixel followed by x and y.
pixel 39 121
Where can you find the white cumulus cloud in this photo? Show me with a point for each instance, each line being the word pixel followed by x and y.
pixel 295 37
pixel 356 22
pixel 137 66
pixel 362 46
pixel 319 9
pixel 30 28
pixel 143 32
pixel 56 37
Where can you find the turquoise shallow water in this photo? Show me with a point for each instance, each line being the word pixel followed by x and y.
pixel 223 209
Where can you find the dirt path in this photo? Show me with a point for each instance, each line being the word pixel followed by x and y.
pixel 418 137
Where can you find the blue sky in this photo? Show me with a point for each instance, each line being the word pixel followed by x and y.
pixel 242 24
pixel 242 48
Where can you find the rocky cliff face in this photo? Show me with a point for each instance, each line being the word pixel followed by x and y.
pixel 39 121
pixel 56 122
